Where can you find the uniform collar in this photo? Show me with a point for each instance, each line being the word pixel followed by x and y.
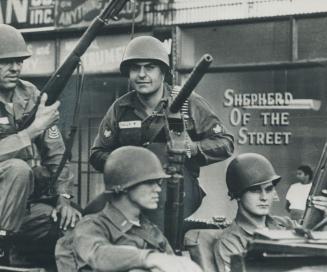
pixel 118 218
pixel 245 222
pixel 21 95
pixel 131 100
pixel 20 99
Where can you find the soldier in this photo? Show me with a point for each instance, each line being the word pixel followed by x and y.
pixel 251 180
pixel 132 120
pixel 28 157
pixel 120 238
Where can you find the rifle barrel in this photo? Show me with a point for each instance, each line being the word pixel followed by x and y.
pixel 313 216
pixel 57 82
pixel 60 78
pixel 191 82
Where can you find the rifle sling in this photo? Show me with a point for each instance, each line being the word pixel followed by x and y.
pixel 73 128
pixel 156 125
pixel 155 122
pixel 153 129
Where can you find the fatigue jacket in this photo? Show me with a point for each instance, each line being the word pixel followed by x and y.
pixel 126 123
pixel 107 241
pixel 234 239
pixel 46 150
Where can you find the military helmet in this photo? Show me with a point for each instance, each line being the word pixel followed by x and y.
pixel 130 165
pixel 12 43
pixel 144 48
pixel 248 170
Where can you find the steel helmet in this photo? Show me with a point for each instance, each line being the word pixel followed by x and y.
pixel 131 165
pixel 248 170
pixel 144 48
pixel 12 43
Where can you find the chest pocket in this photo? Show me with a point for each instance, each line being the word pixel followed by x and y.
pixel 130 132
pixel 7 128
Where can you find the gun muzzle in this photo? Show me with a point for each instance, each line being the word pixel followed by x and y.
pixel 191 82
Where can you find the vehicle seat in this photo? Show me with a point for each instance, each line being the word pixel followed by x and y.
pixel 199 243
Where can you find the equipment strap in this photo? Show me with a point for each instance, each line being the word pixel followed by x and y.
pixel 73 127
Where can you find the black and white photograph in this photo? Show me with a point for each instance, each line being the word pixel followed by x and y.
pixel 163 135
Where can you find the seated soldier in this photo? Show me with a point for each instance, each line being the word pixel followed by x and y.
pixel 120 238
pixel 34 207
pixel 251 180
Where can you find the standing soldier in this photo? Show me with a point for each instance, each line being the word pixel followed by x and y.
pixel 29 157
pixel 132 120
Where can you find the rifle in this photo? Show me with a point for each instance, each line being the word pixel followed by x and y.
pixel 313 216
pixel 58 80
pixel 177 150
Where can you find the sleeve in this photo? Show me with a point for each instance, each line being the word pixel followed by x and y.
pixel 12 145
pixel 51 147
pixel 168 249
pixel 213 141
pixel 286 222
pixel 106 140
pixel 222 255
pixel 92 248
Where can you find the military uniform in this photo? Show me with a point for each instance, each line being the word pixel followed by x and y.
pixel 126 123
pixel 234 239
pixel 26 167
pixel 110 242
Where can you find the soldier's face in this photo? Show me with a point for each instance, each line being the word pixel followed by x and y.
pixel 146 77
pixel 258 200
pixel 146 195
pixel 9 73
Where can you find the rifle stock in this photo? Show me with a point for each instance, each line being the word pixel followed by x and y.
pixel 313 216
pixel 58 80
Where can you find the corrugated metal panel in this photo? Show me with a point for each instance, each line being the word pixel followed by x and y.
pixel 186 12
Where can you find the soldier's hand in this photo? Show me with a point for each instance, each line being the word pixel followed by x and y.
pixel 45 117
pixel 320 202
pixel 190 145
pixel 69 216
pixel 160 262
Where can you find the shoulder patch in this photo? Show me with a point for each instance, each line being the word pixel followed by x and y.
pixel 107 133
pixel 4 120
pixel 53 132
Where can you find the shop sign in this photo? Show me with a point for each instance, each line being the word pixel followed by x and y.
pixel 77 13
pixel 263 118
pixel 104 54
pixel 42 61
pixel 27 13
